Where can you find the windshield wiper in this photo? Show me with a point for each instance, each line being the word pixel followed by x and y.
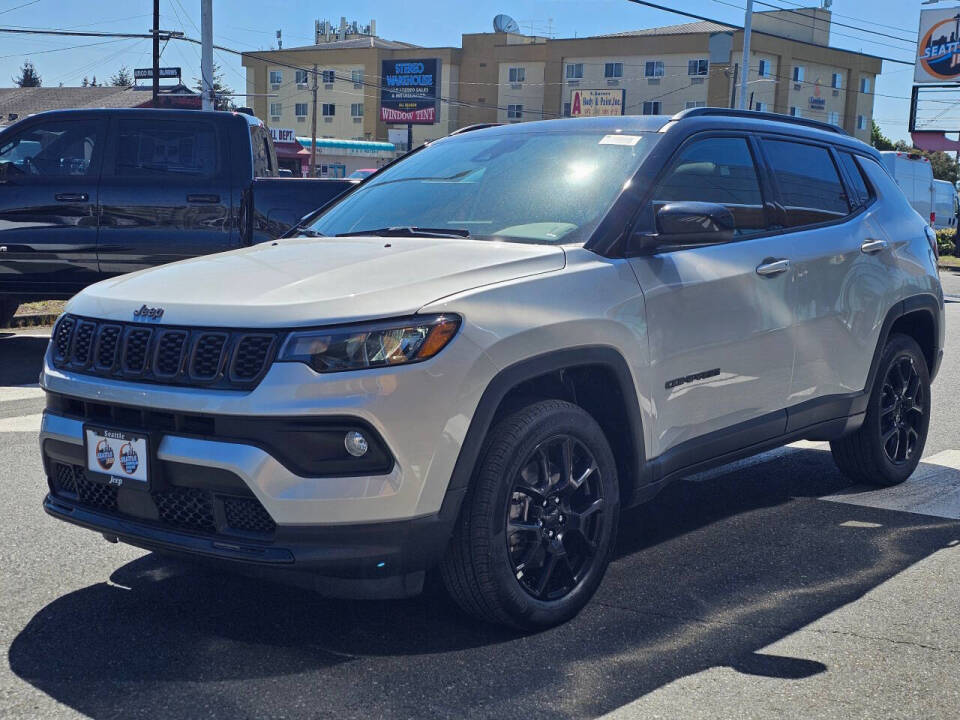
pixel 410 231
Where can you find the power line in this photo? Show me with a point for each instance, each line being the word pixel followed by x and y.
pixel 17 7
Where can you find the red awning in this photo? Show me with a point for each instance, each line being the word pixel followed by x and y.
pixel 289 150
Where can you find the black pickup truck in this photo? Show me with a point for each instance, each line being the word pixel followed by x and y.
pixel 88 194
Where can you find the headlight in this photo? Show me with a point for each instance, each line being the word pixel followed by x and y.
pixel 356 347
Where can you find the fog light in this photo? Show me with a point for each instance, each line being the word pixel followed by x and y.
pixel 356 443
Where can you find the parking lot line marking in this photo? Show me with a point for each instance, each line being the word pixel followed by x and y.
pixel 22 423
pixel 19 392
pixel 933 489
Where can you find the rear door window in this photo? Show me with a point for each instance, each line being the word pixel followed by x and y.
pixel 810 187
pixel 861 193
pixel 166 148
pixel 717 170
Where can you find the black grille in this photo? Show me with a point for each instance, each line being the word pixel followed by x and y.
pixel 186 507
pixel 207 356
pixel 247 515
pixel 162 354
pixel 169 357
pixel 108 342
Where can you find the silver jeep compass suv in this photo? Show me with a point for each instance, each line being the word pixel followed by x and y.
pixel 476 358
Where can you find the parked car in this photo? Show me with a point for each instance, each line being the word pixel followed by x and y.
pixel 513 333
pixel 915 177
pixel 945 206
pixel 361 173
pixel 88 194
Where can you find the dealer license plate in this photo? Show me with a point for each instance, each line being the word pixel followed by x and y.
pixel 122 455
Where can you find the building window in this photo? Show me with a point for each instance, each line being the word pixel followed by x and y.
pixel 613 70
pixel 276 77
pixel 763 69
pixel 653 69
pixel 514 112
pixel 328 77
pixel 276 109
pixel 836 81
pixel 861 122
pixel 651 107
pixel 574 71
pixel 695 104
pixel 300 110
pixel 328 109
pixel 798 73
pixel 356 109
pixel 301 77
pixel 356 76
pixel 566 109
pixel 833 118
pixel 795 111
pixel 698 67
pixel 517 74
pixel 865 85
pixel 760 107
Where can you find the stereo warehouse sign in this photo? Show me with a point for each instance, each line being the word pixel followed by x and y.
pixel 938 47
pixel 410 91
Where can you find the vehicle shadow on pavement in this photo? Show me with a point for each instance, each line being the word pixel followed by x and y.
pixel 21 357
pixel 707 574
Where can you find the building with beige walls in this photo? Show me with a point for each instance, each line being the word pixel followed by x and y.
pixel 510 77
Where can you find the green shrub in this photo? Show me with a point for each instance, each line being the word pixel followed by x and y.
pixel 946 241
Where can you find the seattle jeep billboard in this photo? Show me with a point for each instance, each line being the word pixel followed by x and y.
pixel 410 91
pixel 938 48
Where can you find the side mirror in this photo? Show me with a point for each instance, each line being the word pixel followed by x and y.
pixel 687 224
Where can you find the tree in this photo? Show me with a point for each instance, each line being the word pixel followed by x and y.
pixel 878 139
pixel 85 82
pixel 222 92
pixel 93 83
pixel 29 77
pixel 122 78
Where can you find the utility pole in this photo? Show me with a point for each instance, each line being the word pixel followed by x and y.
pixel 745 64
pixel 733 86
pixel 207 99
pixel 156 53
pixel 313 131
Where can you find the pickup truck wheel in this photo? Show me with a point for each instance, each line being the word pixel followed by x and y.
pixel 8 308
pixel 887 447
pixel 536 531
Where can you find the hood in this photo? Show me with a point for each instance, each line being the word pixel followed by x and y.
pixel 309 281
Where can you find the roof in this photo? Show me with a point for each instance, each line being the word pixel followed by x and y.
pixel 23 102
pixel 362 42
pixel 365 145
pixel 701 26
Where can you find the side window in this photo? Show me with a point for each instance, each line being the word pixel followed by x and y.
pixel 883 184
pixel 53 149
pixel 262 158
pixel 166 148
pixel 810 186
pixel 860 190
pixel 717 170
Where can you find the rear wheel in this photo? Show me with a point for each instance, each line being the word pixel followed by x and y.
pixel 535 534
pixel 887 447
pixel 8 307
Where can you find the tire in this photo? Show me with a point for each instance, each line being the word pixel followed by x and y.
pixel 8 307
pixel 567 524
pixel 887 448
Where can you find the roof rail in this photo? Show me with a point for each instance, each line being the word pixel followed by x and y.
pixel 755 115
pixel 477 126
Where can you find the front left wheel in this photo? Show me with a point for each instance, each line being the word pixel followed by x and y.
pixel 536 531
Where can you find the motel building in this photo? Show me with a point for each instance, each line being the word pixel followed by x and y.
pixel 511 77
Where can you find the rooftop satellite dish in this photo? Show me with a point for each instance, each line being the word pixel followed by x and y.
pixel 505 23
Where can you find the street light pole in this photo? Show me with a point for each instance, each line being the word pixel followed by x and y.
pixel 206 55
pixel 745 63
pixel 156 53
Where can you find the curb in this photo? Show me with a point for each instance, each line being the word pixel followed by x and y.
pixel 36 320
pixel 949 268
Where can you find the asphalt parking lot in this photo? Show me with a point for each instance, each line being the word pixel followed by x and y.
pixel 769 589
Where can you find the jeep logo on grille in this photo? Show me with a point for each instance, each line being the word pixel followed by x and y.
pixel 148 313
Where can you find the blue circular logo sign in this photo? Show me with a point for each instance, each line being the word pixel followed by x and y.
pixel 129 460
pixel 105 455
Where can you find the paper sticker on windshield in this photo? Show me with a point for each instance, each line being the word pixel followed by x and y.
pixel 629 140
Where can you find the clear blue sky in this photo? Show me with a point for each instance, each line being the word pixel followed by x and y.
pixel 251 24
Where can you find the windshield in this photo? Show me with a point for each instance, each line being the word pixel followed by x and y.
pixel 534 187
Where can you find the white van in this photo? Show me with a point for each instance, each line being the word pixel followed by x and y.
pixel 915 177
pixel 944 205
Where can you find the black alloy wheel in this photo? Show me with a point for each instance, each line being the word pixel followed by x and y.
pixel 902 410
pixel 554 517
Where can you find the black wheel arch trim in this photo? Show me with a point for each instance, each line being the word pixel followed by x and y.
pixel 924 302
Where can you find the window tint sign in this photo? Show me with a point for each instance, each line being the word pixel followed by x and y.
pixel 410 91
pixel 938 48
pixel 593 103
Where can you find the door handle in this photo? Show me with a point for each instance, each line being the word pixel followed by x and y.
pixel 873 246
pixel 773 267
pixel 203 198
pixel 71 197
